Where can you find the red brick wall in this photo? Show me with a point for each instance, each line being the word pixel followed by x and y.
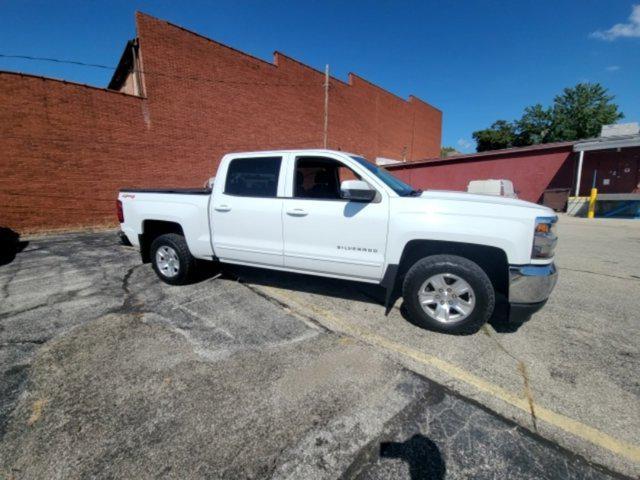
pixel 531 172
pixel 234 101
pixel 66 148
pixel 64 151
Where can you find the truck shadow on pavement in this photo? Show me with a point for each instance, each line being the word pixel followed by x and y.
pixel 329 287
pixel 344 289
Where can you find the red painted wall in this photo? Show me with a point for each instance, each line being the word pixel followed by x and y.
pixel 531 172
pixel 621 169
pixel 67 148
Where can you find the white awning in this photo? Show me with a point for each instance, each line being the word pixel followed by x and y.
pixel 606 143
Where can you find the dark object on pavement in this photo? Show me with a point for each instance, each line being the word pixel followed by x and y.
pixel 10 245
pixel 123 239
pixel 422 455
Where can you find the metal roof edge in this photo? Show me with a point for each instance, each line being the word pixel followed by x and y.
pixel 606 143
pixel 489 153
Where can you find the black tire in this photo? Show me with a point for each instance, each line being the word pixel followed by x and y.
pixel 461 267
pixel 186 261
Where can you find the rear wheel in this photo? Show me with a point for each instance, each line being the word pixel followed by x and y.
pixel 448 293
pixel 172 260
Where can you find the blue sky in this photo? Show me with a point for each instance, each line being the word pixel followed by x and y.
pixel 477 61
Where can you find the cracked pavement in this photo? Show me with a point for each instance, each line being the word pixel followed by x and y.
pixel 108 373
pixel 577 357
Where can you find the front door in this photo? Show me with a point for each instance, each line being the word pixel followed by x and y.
pixel 324 233
pixel 246 212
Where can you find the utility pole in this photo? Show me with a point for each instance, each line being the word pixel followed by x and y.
pixel 326 104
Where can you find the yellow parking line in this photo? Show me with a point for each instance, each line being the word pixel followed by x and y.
pixel 560 421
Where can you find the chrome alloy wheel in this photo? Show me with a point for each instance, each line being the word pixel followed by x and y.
pixel 167 261
pixel 446 297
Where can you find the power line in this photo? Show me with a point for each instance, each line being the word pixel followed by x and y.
pixel 56 60
pixel 163 74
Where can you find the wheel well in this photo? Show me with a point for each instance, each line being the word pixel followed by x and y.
pixel 491 259
pixel 152 229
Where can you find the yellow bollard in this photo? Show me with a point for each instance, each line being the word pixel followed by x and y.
pixel 592 203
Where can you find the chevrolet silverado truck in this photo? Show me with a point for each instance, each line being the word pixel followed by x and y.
pixel 334 214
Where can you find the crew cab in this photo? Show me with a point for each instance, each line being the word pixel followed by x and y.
pixel 334 214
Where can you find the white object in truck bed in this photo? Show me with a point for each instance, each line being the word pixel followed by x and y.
pixel 501 187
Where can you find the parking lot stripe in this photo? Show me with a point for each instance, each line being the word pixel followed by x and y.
pixel 558 420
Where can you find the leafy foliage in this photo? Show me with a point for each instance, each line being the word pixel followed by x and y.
pixel 535 126
pixel 501 134
pixel 577 113
pixel 581 111
pixel 448 151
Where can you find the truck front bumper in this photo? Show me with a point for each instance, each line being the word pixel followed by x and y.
pixel 529 289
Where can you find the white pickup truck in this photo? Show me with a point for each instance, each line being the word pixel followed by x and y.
pixel 334 214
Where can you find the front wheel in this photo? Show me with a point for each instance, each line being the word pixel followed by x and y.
pixel 448 293
pixel 172 260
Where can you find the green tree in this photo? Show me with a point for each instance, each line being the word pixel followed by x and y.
pixel 501 134
pixel 580 112
pixel 448 151
pixel 535 126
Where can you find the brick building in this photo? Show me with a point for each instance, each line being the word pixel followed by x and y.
pixel 176 103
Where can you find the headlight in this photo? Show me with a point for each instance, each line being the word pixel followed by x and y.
pixel 544 237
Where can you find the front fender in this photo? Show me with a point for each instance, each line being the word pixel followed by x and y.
pixel 511 235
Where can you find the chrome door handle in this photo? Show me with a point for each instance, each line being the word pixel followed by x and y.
pixel 222 208
pixel 297 212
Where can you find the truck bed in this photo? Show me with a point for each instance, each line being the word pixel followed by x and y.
pixel 185 208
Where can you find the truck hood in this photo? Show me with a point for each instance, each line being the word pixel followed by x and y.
pixel 484 199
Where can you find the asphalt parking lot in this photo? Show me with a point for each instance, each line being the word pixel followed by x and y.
pixel 108 373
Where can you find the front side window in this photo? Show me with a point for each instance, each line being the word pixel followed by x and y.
pixel 320 178
pixel 253 177
pixel 392 182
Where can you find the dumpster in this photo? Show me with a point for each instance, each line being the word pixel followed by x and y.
pixel 556 198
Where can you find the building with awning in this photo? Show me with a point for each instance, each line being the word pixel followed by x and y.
pixel 560 175
pixel 610 161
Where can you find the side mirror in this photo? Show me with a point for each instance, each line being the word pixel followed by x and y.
pixel 357 191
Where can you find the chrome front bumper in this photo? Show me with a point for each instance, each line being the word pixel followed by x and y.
pixel 531 283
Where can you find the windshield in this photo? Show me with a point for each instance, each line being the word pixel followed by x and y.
pixel 392 182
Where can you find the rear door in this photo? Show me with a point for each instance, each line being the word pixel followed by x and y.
pixel 326 234
pixel 246 211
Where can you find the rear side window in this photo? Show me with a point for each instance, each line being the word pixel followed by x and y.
pixel 253 177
